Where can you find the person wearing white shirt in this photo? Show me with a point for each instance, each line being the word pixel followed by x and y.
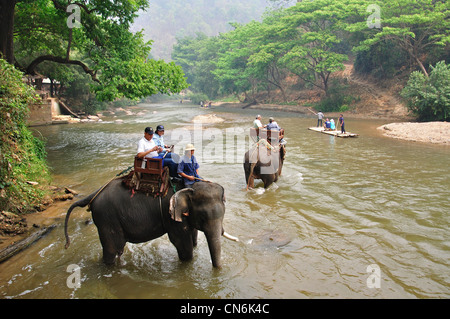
pixel 146 146
pixel 257 125
pixel 257 122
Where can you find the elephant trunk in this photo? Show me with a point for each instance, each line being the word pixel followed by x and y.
pixel 213 238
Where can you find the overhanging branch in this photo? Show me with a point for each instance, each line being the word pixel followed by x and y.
pixel 31 69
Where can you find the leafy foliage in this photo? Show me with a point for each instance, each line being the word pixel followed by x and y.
pixel 429 97
pixel 312 39
pixel 415 26
pixel 103 47
pixel 22 156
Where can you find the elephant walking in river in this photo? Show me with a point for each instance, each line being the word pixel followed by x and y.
pixel 263 161
pixel 122 217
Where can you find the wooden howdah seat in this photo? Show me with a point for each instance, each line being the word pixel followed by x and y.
pixel 271 135
pixel 152 166
pixel 149 175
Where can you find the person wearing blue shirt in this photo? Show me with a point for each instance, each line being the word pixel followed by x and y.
pixel 327 125
pixel 188 167
pixel 165 151
pixel 274 126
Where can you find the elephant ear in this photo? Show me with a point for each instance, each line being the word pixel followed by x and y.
pixel 179 204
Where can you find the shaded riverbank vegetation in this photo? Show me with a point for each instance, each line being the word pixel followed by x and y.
pixel 24 175
pixel 86 50
pixel 296 52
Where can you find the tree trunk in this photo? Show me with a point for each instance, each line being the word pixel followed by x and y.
pixel 13 249
pixel 421 66
pixel 6 29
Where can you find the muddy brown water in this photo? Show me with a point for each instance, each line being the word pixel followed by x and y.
pixel 366 217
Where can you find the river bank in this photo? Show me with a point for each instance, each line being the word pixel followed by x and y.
pixel 17 230
pixel 430 132
pixel 398 115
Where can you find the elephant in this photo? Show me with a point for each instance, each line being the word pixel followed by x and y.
pixel 122 216
pixel 264 161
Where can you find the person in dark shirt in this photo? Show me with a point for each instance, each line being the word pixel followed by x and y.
pixel 341 123
pixel 166 151
pixel 188 167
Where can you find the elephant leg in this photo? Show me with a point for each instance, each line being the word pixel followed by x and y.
pixel 184 245
pixel 269 180
pixel 251 181
pixel 194 237
pixel 113 245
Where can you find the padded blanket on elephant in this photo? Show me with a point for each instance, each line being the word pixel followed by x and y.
pixel 149 184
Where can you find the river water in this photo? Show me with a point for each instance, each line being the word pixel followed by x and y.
pixel 365 217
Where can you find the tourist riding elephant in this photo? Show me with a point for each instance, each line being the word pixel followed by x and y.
pixel 121 217
pixel 264 161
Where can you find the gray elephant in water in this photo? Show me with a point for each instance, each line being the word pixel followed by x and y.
pixel 264 161
pixel 121 217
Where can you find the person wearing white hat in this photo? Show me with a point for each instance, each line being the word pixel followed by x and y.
pixel 188 166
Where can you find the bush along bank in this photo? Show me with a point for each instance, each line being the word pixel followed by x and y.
pixel 24 174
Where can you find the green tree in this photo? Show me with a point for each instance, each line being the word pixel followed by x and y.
pixel 272 41
pixel 196 55
pixel 416 26
pixel 231 66
pixel 429 97
pixel 316 28
pixel 101 45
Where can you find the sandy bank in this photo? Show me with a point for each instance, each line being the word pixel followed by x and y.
pixel 308 111
pixel 207 119
pixel 430 132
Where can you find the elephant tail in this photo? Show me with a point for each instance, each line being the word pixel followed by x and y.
pixel 81 203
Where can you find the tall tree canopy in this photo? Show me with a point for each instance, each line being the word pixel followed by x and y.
pixel 416 26
pixel 99 43
pixel 313 39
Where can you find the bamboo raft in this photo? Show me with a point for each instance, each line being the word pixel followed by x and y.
pixel 333 133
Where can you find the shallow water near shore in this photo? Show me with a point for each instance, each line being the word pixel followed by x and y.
pixel 342 208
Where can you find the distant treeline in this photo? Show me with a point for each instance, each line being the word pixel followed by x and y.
pixel 165 21
pixel 313 39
